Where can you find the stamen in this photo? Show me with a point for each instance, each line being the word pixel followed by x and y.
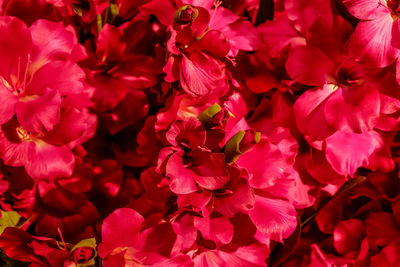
pixel 28 62
pixel 18 71
pixel 62 238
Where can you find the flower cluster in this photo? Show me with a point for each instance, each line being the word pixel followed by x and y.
pixel 199 133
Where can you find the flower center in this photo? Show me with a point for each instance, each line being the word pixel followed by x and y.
pixel 23 134
pixel 20 76
pixel 394 7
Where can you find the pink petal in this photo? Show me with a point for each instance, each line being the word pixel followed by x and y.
pixel 120 229
pixel 309 109
pixel 274 218
pixel 241 199
pixel 278 34
pixel 225 259
pixel 181 178
pixel 366 9
pixel 359 109
pixel 242 36
pixel 269 166
pixel 221 18
pixel 186 232
pixel 64 76
pixel 49 162
pixel 219 230
pixel 138 71
pixel 75 127
pixel 346 152
pixel 293 189
pixel 13 151
pixel 41 113
pixel 318 258
pixel 201 74
pixel 9 100
pixel 63 41
pixel 372 42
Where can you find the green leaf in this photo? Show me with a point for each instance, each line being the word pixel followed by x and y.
pixel 209 113
pixel 232 151
pixel 8 219
pixel 232 147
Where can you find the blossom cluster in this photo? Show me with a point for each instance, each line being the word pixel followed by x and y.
pixel 199 133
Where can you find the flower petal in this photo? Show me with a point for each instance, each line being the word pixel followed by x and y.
pixel 346 152
pixel 41 113
pixel 274 218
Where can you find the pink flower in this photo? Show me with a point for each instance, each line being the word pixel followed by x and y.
pixel 123 242
pixel 376 38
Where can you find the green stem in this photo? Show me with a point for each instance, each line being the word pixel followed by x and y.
pixel 99 23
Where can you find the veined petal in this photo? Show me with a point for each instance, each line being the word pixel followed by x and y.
pixel 274 218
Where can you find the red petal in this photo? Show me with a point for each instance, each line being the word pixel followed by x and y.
pixel 348 236
pixel 110 43
pixel 16 42
pixel 108 91
pixel 309 66
pixel 208 169
pixel 382 228
pixel 190 132
pixel 213 43
pixel 388 257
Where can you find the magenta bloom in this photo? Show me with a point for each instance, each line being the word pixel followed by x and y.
pixel 40 85
pixel 376 39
